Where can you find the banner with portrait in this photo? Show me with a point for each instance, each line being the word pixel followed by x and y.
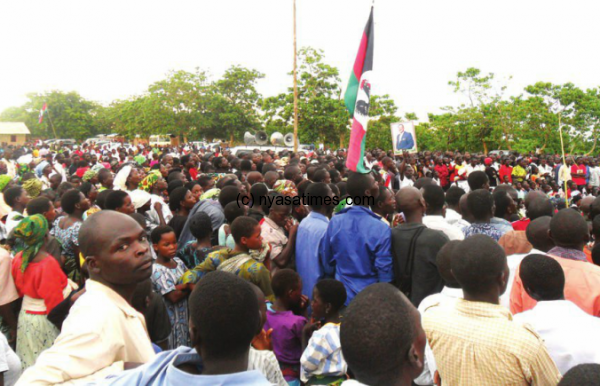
pixel 404 137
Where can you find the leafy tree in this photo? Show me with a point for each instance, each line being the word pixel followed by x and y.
pixel 71 114
pixel 322 115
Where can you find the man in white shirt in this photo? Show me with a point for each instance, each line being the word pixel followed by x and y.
pixel 434 219
pixel 571 335
pixel 103 334
pixel 594 174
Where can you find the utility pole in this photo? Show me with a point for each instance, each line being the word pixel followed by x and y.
pixel 295 87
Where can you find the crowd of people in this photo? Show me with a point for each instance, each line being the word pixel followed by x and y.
pixel 143 266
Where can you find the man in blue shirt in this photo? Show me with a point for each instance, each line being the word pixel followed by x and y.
pixel 224 317
pixel 319 198
pixel 357 247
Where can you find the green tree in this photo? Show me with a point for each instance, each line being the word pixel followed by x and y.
pixel 322 115
pixel 71 115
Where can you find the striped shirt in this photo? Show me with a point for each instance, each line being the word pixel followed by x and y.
pixel 265 362
pixel 323 355
pixel 476 343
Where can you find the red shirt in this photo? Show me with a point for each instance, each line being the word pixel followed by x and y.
pixel 521 225
pixel 442 171
pixel 43 280
pixel 505 171
pixel 578 169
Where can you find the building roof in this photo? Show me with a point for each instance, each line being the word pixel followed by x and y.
pixel 13 128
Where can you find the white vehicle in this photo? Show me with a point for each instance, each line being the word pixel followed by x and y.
pixel 160 140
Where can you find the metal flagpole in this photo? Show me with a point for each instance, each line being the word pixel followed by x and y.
pixel 295 87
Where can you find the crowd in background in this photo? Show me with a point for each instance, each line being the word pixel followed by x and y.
pixel 142 265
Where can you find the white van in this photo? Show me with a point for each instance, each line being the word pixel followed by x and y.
pixel 160 140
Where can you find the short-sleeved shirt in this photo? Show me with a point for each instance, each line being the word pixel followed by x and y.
pixel 578 169
pixel 287 335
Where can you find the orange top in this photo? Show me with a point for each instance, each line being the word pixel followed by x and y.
pixel 582 287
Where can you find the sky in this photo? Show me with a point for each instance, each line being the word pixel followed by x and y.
pixel 108 50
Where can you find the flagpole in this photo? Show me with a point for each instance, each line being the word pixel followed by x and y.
pixel 295 87
pixel 51 124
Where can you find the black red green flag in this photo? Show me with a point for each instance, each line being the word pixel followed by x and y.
pixel 357 99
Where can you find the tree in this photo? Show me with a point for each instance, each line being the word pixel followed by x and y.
pixel 71 115
pixel 233 103
pixel 322 115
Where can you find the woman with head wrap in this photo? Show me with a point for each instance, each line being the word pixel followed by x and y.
pixel 33 186
pixel 128 178
pixel 5 183
pixel 90 176
pixel 42 171
pixel 42 284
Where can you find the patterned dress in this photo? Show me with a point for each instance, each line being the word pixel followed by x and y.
pixel 68 240
pixel 192 256
pixel 163 281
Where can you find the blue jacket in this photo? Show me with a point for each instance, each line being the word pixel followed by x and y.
pixel 357 250
pixel 407 141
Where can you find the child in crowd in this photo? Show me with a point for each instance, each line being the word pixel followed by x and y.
pixel 322 362
pixel 120 201
pixel 287 326
pixel 247 236
pixel 231 211
pixel 17 198
pixel 195 251
pixel 167 270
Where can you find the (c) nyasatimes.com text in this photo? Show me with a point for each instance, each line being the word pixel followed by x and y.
pixel 306 200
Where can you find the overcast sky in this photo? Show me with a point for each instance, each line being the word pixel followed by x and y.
pixel 108 50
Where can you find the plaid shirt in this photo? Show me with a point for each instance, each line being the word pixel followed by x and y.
pixel 483 229
pixel 477 343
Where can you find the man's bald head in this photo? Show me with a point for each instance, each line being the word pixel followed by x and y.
pixel 537 234
pixel 98 230
pixel 409 200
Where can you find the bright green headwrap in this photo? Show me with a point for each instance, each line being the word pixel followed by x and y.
pixel 4 180
pixel 32 230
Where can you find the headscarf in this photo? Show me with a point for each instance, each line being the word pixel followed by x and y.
pixel 120 181
pixel 140 159
pixel 4 181
pixel 87 176
pixel 285 187
pixel 23 168
pixel 32 230
pixel 151 179
pixel 139 198
pixel 211 194
pixel 487 161
pixel 33 186
pixel 39 169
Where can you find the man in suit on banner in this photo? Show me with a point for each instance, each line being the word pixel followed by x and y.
pixel 405 140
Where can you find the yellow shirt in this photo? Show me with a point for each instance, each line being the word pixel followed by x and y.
pixel 101 333
pixel 477 343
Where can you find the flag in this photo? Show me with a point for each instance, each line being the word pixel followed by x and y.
pixel 42 111
pixel 357 99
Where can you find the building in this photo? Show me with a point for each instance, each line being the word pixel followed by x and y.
pixel 13 133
